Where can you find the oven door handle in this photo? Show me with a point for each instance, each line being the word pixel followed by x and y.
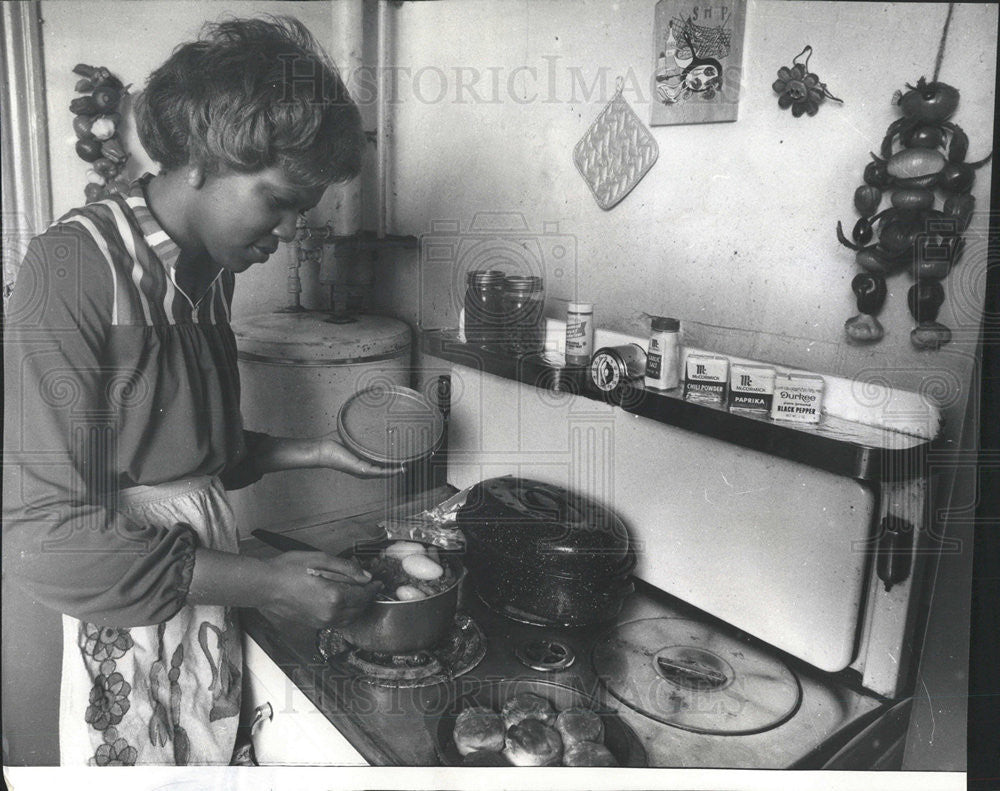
pixel 895 547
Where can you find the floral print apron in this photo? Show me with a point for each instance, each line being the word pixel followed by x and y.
pixel 166 694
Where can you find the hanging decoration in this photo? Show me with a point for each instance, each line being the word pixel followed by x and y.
pixel 698 61
pixel 616 151
pixel 921 161
pixel 97 123
pixel 799 88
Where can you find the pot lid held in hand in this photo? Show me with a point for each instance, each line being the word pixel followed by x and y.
pixel 541 523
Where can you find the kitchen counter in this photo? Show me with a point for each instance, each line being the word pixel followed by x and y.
pixel 393 726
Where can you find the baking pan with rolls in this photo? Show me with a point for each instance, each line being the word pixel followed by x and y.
pixel 523 722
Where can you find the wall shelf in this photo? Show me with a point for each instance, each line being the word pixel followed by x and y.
pixel 840 446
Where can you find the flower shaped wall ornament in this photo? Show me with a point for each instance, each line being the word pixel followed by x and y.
pixel 799 88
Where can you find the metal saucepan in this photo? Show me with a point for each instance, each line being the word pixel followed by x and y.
pixel 391 627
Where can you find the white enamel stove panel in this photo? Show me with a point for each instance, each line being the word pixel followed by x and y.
pixel 770 546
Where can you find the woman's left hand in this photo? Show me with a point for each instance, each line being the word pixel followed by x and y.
pixel 335 456
pixel 286 453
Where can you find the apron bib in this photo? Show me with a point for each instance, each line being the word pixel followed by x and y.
pixel 166 694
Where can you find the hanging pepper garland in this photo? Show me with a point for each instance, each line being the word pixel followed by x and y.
pixel 96 123
pixel 921 153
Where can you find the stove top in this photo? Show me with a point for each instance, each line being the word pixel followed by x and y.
pixel 393 725
pixel 776 711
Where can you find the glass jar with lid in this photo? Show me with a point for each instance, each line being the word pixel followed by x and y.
pixel 484 306
pixel 523 303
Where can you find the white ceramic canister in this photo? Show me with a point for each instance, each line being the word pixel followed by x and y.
pixel 296 371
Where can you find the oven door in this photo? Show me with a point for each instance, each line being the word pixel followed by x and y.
pixel 285 727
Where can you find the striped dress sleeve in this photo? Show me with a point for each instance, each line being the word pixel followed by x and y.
pixel 62 539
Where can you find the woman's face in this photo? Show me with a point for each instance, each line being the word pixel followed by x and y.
pixel 239 218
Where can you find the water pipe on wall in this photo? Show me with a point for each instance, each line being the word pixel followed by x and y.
pixel 347 272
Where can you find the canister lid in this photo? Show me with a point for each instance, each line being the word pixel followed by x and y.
pixel 526 283
pixel 307 338
pixel 484 277
pixel 580 307
pixel 663 324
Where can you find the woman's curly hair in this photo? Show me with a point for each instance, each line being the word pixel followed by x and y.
pixel 251 94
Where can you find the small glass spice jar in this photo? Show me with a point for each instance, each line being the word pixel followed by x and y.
pixel 484 306
pixel 523 303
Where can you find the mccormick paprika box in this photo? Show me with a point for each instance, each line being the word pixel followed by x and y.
pixel 751 387
pixel 797 397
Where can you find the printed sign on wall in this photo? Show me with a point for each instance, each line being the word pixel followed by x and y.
pixel 698 67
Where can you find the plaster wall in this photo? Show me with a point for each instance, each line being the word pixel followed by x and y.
pixel 733 229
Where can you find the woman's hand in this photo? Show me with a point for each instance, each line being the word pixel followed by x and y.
pixel 335 456
pixel 286 453
pixel 317 589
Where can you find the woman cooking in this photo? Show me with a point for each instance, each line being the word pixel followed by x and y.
pixel 122 420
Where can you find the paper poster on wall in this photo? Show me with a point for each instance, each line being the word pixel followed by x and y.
pixel 698 61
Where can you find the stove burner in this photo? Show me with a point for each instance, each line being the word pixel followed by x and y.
pixel 546 656
pixel 461 650
pixel 400 667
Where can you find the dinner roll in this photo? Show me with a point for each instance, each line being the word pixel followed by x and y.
pixel 478 728
pixel 579 725
pixel 525 706
pixel 588 754
pixel 533 743
pixel 485 758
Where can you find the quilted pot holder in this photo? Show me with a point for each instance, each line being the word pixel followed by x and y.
pixel 615 153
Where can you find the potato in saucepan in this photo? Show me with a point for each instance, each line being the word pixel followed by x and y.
pixel 421 567
pixel 402 549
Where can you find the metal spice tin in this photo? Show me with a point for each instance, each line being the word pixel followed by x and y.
pixel 797 397
pixel 751 387
pixel 615 365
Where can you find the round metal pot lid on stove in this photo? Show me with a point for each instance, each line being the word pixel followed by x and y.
pixel 692 676
pixel 390 424
pixel 546 525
